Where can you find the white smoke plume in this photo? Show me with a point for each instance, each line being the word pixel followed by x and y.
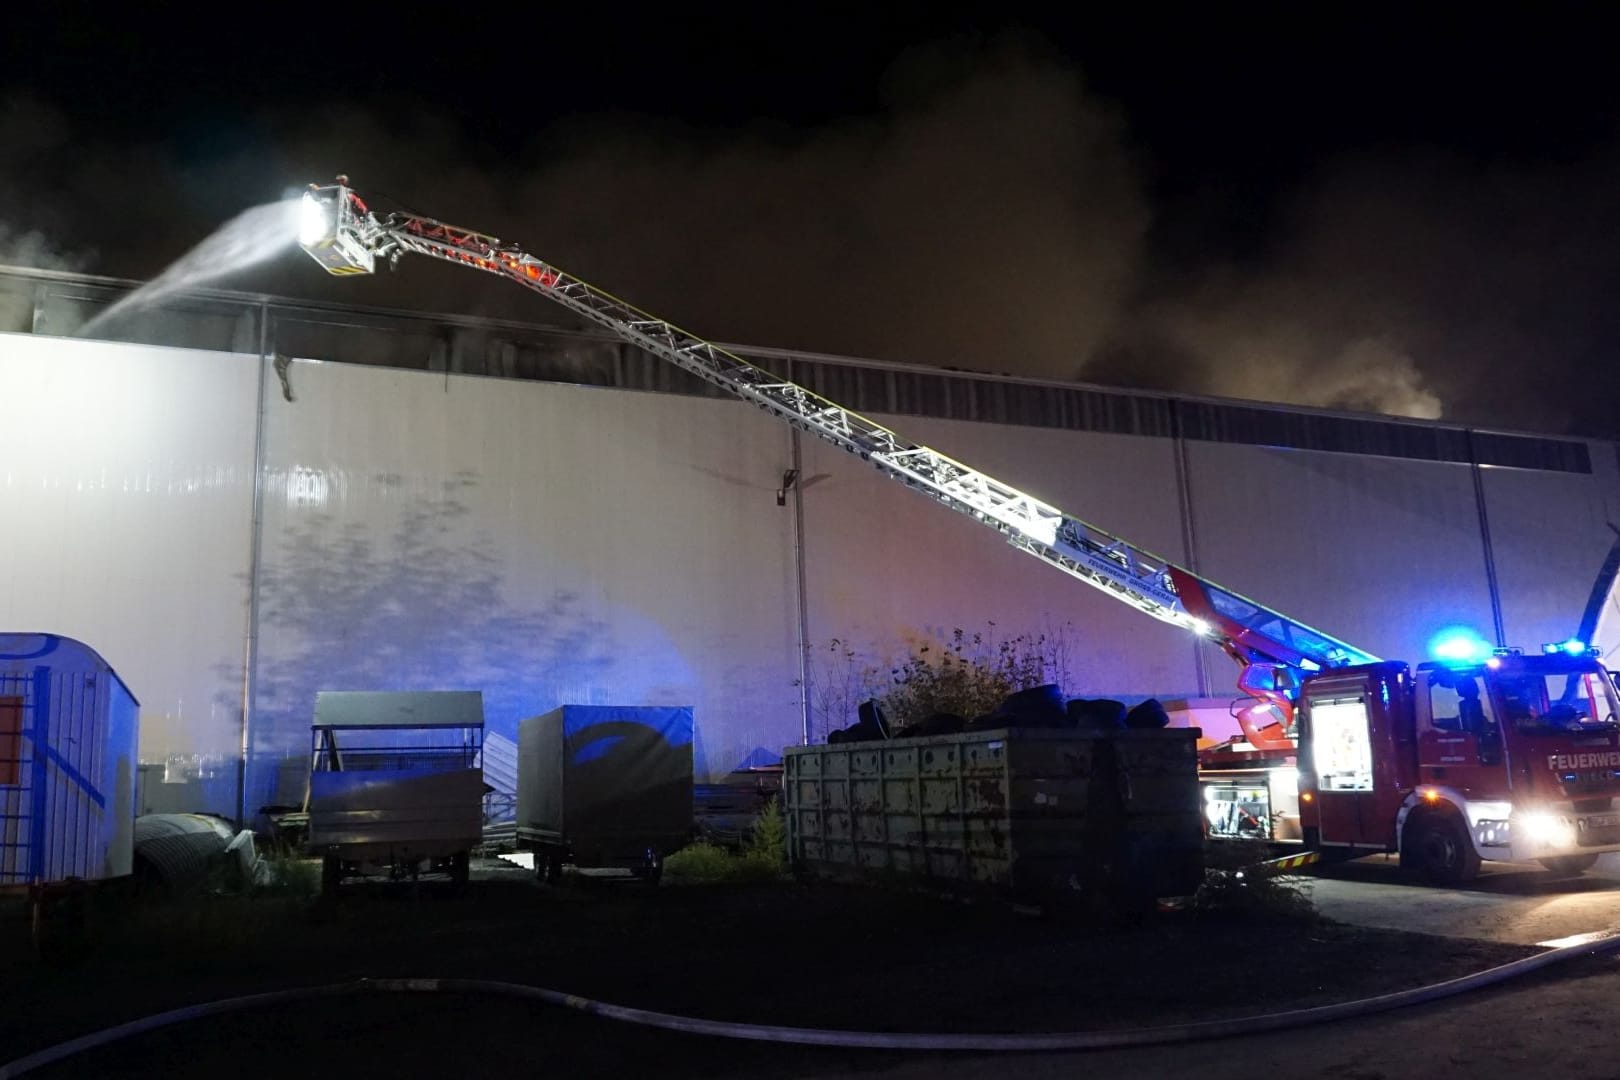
pixel 34 249
pixel 1264 342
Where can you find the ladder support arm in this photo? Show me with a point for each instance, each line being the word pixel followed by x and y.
pixel 345 236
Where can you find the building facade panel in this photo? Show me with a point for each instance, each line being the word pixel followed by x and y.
pixel 126 477
pixel 1378 552
pixel 1550 534
pixel 555 517
pixel 889 569
pixel 546 544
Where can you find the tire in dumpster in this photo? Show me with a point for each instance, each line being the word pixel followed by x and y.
pixel 1036 707
pixel 940 723
pixel 870 725
pixel 1148 715
pixel 1099 714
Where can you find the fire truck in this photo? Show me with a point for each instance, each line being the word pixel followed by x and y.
pixel 1482 754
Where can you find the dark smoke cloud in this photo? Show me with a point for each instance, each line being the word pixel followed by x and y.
pixel 994 216
pixel 1418 285
pixel 1270 335
pixel 992 222
pixel 989 219
pixel 29 131
pixel 1496 277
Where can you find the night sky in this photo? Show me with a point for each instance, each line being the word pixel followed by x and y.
pixel 1340 206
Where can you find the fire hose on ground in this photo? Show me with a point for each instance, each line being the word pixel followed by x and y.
pixel 1585 946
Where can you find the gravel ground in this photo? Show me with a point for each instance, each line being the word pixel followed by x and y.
pixel 808 955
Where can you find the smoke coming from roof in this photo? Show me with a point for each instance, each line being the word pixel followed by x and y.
pixel 995 215
pixel 1268 338
pixel 34 248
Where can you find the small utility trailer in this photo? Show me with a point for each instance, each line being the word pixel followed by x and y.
pixel 395 783
pixel 605 786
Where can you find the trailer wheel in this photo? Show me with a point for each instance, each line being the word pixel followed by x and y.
pixel 651 870
pixel 331 873
pixel 1437 849
pixel 548 867
pixel 1569 865
pixel 460 869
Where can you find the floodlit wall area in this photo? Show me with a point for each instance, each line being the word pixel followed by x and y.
pixel 1549 534
pixel 595 528
pixel 887 569
pixel 548 545
pixel 126 481
pixel 1378 552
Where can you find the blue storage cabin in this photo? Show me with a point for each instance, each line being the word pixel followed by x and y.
pixel 68 731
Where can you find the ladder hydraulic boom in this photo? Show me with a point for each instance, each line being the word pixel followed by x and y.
pixel 341 233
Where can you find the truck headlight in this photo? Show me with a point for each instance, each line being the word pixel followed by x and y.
pixel 1545 830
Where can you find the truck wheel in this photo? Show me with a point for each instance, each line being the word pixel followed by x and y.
pixel 1437 849
pixel 460 867
pixel 548 867
pixel 1569 865
pixel 331 873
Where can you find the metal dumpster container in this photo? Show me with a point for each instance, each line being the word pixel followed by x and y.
pixel 1027 811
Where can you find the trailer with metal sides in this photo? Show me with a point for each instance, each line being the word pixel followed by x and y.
pixel 395 783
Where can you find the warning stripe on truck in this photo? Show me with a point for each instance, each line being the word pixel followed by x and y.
pixel 1292 862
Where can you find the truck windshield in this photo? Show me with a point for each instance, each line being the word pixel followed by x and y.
pixel 1558 701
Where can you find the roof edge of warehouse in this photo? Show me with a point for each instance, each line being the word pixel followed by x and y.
pixel 760 351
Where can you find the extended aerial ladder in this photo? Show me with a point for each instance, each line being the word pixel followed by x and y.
pixel 345 236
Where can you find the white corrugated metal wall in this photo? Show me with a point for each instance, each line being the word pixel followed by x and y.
pixel 554 544
pixel 126 477
pixel 545 544
pixel 886 567
pixel 1550 533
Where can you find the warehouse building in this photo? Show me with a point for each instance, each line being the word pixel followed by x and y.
pixel 243 500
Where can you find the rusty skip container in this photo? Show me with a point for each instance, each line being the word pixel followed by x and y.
pixel 1026 811
pixel 68 730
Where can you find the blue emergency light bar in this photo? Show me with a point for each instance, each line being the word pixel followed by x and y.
pixel 1571 647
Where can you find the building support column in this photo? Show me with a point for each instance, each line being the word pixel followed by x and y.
pixel 801 591
pixel 1189 532
pixel 1497 624
pixel 250 639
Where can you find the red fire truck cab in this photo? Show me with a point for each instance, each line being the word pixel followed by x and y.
pixel 1514 758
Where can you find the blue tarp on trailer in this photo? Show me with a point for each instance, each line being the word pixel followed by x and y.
pixel 608 783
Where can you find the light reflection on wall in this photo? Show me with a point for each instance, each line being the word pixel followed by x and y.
pixel 373 583
pixel 307 487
